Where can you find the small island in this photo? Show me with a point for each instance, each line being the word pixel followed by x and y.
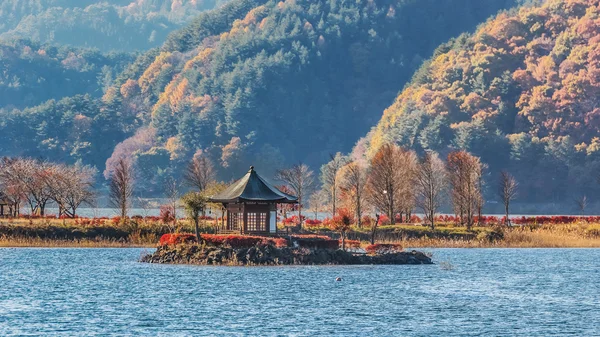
pixel 248 250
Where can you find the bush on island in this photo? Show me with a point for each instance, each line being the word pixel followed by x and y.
pixel 175 239
pixel 247 241
pixel 234 241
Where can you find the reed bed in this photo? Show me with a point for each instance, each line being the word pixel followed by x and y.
pixel 576 235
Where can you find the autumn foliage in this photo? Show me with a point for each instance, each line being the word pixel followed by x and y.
pixel 175 239
pixel 521 93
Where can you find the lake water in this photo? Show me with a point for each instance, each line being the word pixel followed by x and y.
pixel 499 292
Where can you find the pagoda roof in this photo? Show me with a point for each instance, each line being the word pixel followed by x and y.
pixel 252 188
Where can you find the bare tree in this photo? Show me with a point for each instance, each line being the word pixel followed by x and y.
pixel 430 183
pixel 200 173
pixel 464 172
pixel 318 201
pixel 301 180
pixel 70 187
pixel 12 188
pixel 353 182
pixel 31 174
pixel 388 183
pixel 507 191
pixel 581 204
pixel 329 177
pixel 42 182
pixel 172 189
pixel 81 189
pixel 121 186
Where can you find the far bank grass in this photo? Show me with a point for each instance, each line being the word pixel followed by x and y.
pixel 142 233
pixel 79 233
pixel 575 235
pixel 53 243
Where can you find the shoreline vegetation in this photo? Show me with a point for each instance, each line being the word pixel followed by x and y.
pixel 535 232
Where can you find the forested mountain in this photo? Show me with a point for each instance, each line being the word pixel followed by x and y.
pixel 268 82
pixel 285 82
pixel 123 25
pixel 33 73
pixel 522 92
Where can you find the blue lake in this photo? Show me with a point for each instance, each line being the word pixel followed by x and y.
pixel 499 292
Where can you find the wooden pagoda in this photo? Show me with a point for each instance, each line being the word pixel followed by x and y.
pixel 251 205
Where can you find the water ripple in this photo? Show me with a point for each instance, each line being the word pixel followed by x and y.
pixel 105 292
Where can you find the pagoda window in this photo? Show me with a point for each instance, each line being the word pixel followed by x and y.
pixel 252 222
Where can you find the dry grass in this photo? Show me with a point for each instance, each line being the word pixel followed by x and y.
pixel 576 235
pixel 147 234
pixel 85 243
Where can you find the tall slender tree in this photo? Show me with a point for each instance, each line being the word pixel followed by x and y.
pixel 121 186
pixel 464 172
pixel 389 180
pixel 200 172
pixel 353 182
pixel 330 179
pixel 507 191
pixel 430 184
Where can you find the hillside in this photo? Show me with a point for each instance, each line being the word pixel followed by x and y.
pixel 521 92
pixel 286 82
pixel 124 25
pixel 33 73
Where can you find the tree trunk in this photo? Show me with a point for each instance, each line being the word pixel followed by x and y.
pixel 197 227
pixel 431 219
pixel 374 229
pixel 343 240
pixel 300 212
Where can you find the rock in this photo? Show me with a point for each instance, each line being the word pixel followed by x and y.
pixel 270 255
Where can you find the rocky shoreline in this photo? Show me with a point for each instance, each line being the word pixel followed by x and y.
pixel 269 255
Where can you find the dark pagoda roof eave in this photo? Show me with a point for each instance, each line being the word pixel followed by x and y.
pixel 252 188
pixel 243 200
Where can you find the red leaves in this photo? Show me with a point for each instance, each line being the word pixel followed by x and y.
pixel 175 239
pixel 292 221
pixel 383 248
pixel 241 241
pixel 234 241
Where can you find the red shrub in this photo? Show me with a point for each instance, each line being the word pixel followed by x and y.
pixel 293 220
pixel 241 241
pixel 415 219
pixel 278 242
pixel 384 220
pixel 313 222
pixel 175 239
pixel 383 248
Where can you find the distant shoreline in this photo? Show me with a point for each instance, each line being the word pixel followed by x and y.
pixel 16 233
